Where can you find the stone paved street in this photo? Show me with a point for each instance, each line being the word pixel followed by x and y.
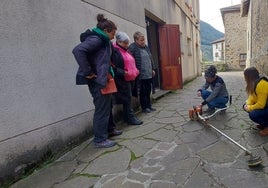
pixel 168 150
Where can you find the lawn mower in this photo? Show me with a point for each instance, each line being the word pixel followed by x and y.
pixel 196 113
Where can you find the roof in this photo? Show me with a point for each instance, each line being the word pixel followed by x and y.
pixel 230 8
pixel 234 8
pixel 218 40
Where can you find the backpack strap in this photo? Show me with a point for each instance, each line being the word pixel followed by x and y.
pixel 258 80
pixel 256 83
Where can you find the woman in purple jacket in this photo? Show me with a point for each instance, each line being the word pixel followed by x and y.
pixel 93 56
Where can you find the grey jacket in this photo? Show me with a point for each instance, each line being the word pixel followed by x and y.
pixel 134 50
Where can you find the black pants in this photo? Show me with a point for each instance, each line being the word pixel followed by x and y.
pixel 145 93
pixel 103 119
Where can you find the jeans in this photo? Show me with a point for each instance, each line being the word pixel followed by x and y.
pixel 102 115
pixel 260 116
pixel 217 102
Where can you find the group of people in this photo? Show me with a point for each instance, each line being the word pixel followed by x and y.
pixel 256 88
pixel 131 66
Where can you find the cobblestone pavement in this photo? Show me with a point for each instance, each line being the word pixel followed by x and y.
pixel 168 150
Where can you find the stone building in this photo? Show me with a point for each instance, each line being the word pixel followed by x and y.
pixel 218 48
pixel 235 37
pixel 257 33
pixel 42 110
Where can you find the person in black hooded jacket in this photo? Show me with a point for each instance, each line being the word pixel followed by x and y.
pixel 93 56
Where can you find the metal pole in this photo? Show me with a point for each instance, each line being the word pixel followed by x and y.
pixel 242 147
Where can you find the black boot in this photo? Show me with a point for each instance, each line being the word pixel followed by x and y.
pixel 129 114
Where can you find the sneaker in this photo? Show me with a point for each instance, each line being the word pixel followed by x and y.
pixel 146 110
pixel 115 132
pixel 152 109
pixel 134 121
pixel 105 144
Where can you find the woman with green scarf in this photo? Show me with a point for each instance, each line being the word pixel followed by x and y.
pixel 93 56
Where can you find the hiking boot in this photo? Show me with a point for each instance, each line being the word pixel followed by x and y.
pixel 105 144
pixel 115 132
pixel 264 132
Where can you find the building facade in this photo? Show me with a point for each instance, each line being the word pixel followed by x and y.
pixel 235 37
pixel 257 33
pixel 42 110
pixel 218 48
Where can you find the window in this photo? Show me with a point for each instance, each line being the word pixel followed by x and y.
pixel 242 59
pixel 189 45
pixel 242 56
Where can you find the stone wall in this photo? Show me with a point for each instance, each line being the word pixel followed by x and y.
pixel 235 39
pixel 259 34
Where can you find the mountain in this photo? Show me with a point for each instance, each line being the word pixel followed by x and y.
pixel 208 35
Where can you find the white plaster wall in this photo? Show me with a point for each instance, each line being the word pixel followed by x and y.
pixel 37 67
pixel 40 103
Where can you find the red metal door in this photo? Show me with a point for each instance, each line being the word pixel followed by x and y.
pixel 170 57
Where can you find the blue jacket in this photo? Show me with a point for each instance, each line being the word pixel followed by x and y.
pixel 93 56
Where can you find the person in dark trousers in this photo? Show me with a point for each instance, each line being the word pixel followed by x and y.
pixel 257 103
pixel 218 96
pixel 145 64
pixel 93 56
pixel 125 73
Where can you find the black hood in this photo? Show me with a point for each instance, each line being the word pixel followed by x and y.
pixel 84 35
pixel 88 32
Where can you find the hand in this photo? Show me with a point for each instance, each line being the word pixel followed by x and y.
pixel 245 107
pixel 153 73
pixel 199 93
pixel 91 76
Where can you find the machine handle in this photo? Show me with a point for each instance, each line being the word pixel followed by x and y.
pixel 230 99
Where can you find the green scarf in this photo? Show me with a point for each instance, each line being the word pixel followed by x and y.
pixel 101 32
pixel 106 37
